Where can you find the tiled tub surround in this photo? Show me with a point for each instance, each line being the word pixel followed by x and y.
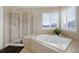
pixel 39 47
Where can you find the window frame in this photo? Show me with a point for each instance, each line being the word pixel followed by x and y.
pixel 60 22
pixel 57 23
pixel 67 28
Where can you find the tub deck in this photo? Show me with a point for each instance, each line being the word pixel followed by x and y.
pixel 72 48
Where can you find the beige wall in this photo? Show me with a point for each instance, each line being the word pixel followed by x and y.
pixel 6 27
pixel 25 24
pixel 35 14
pixel 36 21
pixel 1 26
pixel 77 15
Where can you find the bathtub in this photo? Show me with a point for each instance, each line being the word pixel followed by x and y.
pixel 50 42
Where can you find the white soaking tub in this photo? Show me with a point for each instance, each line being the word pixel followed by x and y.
pixel 45 43
pixel 57 43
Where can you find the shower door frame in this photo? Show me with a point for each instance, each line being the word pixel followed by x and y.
pixel 20 31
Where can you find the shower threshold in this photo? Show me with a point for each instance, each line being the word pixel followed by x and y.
pixel 16 44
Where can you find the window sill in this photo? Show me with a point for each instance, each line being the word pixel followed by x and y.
pixel 48 28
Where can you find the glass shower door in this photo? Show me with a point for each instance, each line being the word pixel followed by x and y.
pixel 15 27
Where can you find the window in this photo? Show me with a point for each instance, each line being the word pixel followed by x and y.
pixel 68 21
pixel 50 20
